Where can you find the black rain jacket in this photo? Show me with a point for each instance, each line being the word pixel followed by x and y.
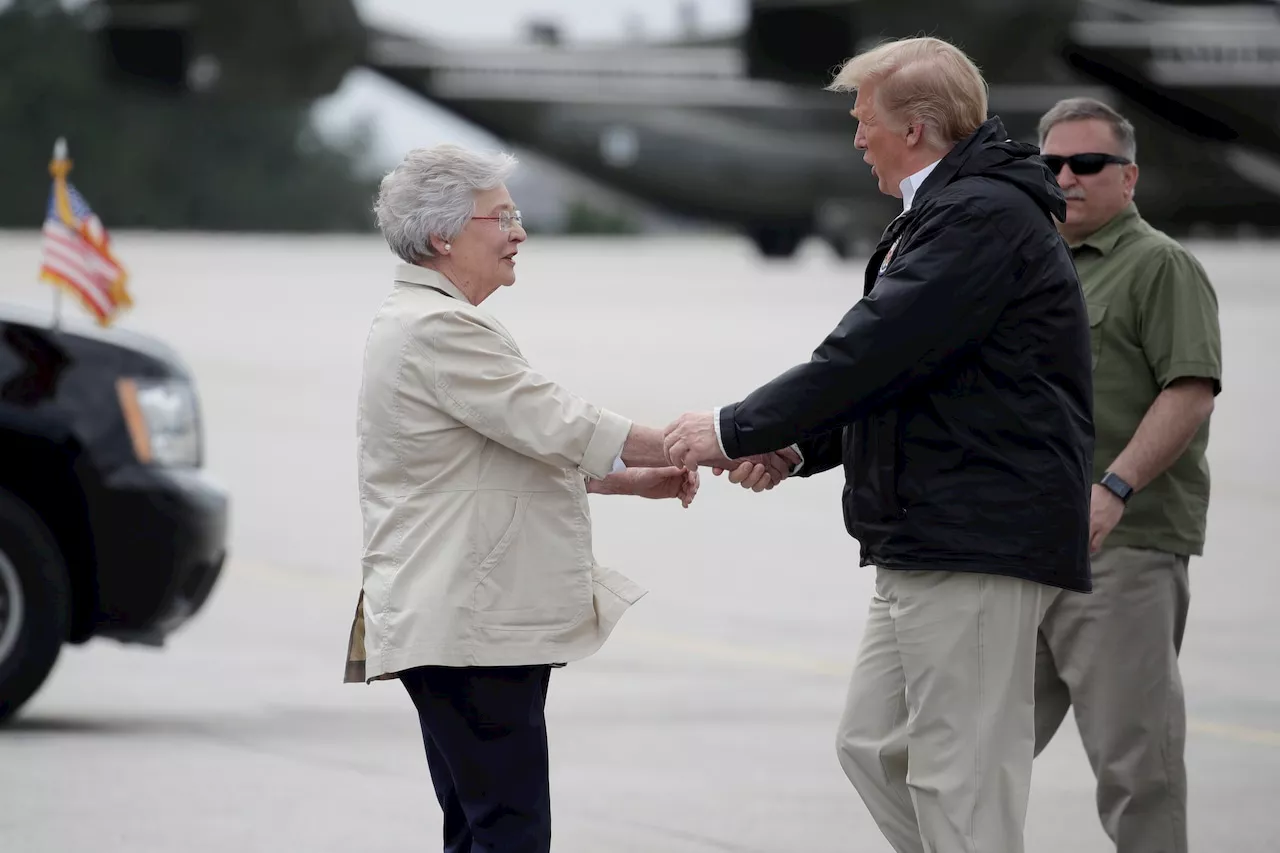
pixel 958 391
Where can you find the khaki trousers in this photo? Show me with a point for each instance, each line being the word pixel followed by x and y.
pixel 938 733
pixel 1114 656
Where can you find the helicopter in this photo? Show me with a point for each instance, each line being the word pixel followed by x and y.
pixel 739 129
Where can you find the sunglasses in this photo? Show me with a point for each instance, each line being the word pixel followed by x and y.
pixel 1082 164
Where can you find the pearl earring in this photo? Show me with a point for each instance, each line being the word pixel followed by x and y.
pixel 447 247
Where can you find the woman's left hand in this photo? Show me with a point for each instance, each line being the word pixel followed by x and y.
pixel 673 482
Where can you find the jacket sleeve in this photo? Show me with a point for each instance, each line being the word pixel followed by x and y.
pixel 820 453
pixel 939 298
pixel 482 380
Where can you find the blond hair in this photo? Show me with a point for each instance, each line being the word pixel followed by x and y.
pixel 921 80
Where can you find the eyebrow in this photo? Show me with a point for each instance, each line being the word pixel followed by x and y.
pixel 506 205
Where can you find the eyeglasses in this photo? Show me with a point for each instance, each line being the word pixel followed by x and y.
pixel 505 219
pixel 1082 164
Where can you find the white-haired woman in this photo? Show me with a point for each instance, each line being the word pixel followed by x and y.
pixel 474 469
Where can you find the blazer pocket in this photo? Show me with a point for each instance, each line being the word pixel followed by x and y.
pixel 499 549
pixel 541 579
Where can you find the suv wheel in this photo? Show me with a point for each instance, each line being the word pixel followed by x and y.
pixel 34 603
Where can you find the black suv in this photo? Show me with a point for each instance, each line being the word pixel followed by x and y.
pixel 108 526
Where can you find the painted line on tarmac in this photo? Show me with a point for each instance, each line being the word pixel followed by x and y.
pixel 755 656
pixel 718 650
pixel 1240 734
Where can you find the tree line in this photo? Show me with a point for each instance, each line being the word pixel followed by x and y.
pixel 149 161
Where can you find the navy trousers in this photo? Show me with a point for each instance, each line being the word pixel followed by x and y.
pixel 486 739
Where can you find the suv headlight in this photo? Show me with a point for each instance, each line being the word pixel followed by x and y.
pixel 163 420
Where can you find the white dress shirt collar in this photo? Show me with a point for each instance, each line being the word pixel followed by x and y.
pixel 911 184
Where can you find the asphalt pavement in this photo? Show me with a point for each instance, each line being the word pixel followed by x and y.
pixel 707 722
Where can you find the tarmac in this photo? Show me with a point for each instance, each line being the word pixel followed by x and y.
pixel 707 722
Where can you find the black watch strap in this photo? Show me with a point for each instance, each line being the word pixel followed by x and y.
pixel 1116 485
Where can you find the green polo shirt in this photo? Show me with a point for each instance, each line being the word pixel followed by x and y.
pixel 1153 318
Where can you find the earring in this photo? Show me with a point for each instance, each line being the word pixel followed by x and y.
pixel 447 247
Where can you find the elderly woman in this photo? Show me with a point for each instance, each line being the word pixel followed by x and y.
pixel 474 470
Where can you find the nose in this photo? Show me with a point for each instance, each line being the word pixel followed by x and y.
pixel 1066 177
pixel 517 234
pixel 860 139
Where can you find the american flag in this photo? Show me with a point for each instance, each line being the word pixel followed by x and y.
pixel 77 249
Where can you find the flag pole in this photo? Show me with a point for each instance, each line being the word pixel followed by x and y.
pixel 59 167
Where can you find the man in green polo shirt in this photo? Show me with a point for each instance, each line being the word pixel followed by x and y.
pixel 1157 366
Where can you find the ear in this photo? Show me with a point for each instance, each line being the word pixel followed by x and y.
pixel 1130 177
pixel 915 134
pixel 439 246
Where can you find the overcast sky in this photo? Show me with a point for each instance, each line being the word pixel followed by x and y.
pixel 405 121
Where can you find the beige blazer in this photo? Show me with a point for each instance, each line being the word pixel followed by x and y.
pixel 477 530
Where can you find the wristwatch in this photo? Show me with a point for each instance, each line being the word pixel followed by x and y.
pixel 1117 486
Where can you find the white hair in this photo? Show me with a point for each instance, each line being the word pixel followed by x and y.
pixel 432 194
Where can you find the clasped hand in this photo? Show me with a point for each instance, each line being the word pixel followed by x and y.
pixel 690 440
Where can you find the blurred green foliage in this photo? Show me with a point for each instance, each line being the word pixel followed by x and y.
pixel 581 217
pixel 154 161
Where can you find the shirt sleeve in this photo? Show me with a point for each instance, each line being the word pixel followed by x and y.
pixel 482 379
pixel 1178 321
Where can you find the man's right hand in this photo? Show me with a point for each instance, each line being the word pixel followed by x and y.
pixel 763 471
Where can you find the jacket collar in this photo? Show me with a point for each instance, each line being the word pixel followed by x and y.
pixel 1106 237
pixel 949 166
pixel 942 172
pixel 413 274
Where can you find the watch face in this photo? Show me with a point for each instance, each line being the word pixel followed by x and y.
pixel 1115 484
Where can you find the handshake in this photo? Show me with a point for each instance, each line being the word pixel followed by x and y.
pixel 665 465
pixel 690 441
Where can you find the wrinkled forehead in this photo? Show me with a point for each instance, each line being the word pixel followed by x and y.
pixel 1082 136
pixel 494 201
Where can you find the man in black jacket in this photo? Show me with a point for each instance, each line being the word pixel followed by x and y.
pixel 957 394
